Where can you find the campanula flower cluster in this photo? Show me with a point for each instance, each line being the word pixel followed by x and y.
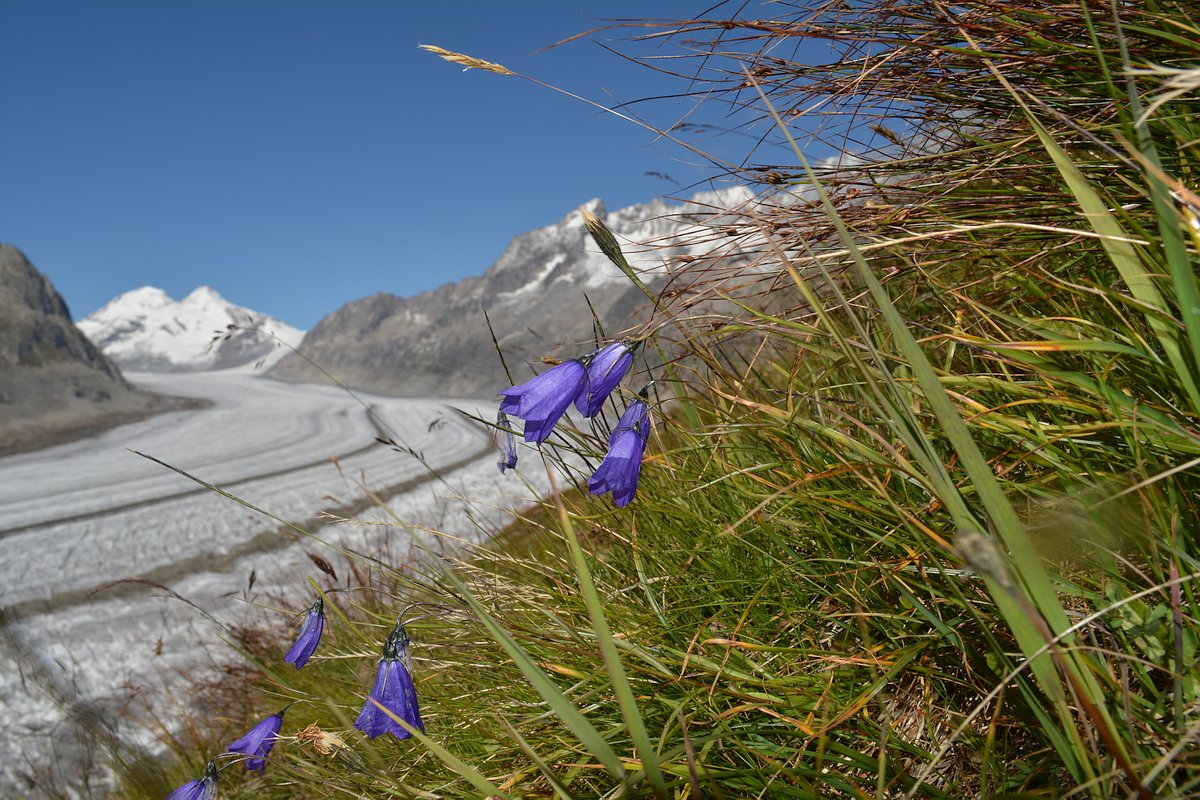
pixel 392 697
pixel 391 705
pixel 253 748
pixel 256 745
pixel 587 383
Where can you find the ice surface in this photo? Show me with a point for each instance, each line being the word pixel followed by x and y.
pixel 78 517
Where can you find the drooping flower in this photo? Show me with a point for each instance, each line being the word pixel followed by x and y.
pixel 310 635
pixel 604 371
pixel 256 745
pixel 203 789
pixel 393 690
pixel 508 443
pixel 618 472
pixel 543 400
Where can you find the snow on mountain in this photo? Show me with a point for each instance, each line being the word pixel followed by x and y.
pixel 541 292
pixel 147 330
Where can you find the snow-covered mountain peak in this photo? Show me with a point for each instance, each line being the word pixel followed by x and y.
pixel 145 329
pixel 547 287
pixel 204 296
pixel 147 297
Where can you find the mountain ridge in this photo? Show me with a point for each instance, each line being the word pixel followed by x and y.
pixel 146 329
pixel 54 383
pixel 539 295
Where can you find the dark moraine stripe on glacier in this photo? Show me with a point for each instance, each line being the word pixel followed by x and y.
pixel 168 498
pixel 264 542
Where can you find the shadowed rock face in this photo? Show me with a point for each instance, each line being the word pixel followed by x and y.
pixel 35 325
pixel 54 383
pixel 537 295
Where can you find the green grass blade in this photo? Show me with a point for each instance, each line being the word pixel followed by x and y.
pixel 612 660
pixel 456 764
pixel 538 761
pixel 1028 570
pixel 1115 241
pixel 1183 278
pixel 541 682
pixel 1121 252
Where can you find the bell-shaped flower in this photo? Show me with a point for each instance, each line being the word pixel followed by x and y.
pixel 256 745
pixel 605 370
pixel 393 690
pixel 618 472
pixel 508 443
pixel 543 400
pixel 203 789
pixel 310 635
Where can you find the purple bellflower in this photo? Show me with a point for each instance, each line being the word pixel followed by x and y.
pixel 605 369
pixel 393 690
pixel 256 745
pixel 203 789
pixel 310 635
pixel 508 443
pixel 543 400
pixel 618 472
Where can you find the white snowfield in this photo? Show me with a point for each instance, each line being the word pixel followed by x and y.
pixel 77 518
pixel 146 329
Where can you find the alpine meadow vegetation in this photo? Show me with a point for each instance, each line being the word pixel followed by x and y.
pixel 910 505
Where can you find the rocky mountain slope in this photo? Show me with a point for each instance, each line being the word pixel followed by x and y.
pixel 540 294
pixel 147 330
pixel 54 383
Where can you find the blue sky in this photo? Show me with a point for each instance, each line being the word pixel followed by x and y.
pixel 296 155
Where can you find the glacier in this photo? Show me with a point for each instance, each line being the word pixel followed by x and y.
pixel 90 531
